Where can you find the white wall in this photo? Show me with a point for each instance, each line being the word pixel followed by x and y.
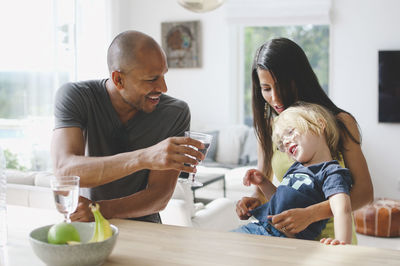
pixel 359 29
pixel 205 89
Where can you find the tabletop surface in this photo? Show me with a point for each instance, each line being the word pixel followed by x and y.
pixel 141 243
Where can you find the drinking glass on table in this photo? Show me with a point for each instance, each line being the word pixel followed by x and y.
pixel 206 140
pixel 66 194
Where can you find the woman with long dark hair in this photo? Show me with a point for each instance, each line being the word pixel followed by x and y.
pixel 281 76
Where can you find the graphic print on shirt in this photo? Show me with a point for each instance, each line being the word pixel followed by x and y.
pixel 300 180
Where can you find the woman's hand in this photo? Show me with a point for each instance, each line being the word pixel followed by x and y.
pixel 253 177
pixel 245 205
pixel 330 241
pixel 293 220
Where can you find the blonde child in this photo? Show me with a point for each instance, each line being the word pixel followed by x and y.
pixel 309 134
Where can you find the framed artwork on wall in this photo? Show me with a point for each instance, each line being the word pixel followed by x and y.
pixel 181 42
pixel 389 86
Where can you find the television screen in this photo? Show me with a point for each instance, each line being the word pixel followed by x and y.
pixel 389 86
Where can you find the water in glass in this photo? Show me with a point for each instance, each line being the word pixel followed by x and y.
pixel 206 140
pixel 66 194
pixel 66 198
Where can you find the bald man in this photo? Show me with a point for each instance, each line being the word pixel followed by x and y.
pixel 120 134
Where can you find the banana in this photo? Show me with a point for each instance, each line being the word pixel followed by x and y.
pixel 102 229
pixel 73 243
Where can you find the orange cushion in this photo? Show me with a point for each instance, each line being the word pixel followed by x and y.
pixel 380 218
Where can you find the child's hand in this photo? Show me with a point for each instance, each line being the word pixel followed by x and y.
pixel 253 177
pixel 245 205
pixel 330 241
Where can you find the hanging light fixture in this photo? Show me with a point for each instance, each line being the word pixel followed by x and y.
pixel 201 6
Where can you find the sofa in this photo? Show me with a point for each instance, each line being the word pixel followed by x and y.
pixel 32 189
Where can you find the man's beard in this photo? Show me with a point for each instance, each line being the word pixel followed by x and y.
pixel 132 105
pixel 135 107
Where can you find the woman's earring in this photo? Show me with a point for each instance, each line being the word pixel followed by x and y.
pixel 266 110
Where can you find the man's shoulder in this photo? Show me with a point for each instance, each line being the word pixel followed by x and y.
pixel 83 85
pixel 169 101
pixel 81 90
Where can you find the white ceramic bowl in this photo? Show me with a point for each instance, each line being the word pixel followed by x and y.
pixel 84 254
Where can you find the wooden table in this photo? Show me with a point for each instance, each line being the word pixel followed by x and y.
pixel 142 243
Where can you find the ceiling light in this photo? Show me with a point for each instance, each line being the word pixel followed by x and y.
pixel 200 6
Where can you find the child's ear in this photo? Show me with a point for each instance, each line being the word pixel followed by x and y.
pixel 322 124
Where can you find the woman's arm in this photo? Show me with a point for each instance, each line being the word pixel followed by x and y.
pixel 362 191
pixel 341 208
pixel 298 219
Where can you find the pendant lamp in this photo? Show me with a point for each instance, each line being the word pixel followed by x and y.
pixel 201 6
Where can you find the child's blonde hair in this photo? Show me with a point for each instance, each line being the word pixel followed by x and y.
pixel 308 117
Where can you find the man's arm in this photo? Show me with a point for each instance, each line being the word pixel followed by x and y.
pixel 68 153
pixel 154 198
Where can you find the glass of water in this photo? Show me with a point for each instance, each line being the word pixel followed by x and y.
pixel 66 194
pixel 206 140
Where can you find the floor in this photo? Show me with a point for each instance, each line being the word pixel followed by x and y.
pixel 379 242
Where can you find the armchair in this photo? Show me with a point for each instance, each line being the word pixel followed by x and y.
pixel 219 214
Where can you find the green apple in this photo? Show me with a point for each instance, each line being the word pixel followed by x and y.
pixel 62 233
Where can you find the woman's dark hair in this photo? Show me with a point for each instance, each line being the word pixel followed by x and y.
pixel 295 81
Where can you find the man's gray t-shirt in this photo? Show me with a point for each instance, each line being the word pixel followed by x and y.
pixel 87 105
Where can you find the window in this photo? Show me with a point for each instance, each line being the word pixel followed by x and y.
pixel 314 39
pixel 38 59
pixel 38 55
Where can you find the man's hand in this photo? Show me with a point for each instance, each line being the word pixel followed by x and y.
pixel 173 153
pixel 245 205
pixel 293 220
pixel 253 177
pixel 83 212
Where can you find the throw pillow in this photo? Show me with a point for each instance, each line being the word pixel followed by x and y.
pixel 230 144
pixel 249 152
